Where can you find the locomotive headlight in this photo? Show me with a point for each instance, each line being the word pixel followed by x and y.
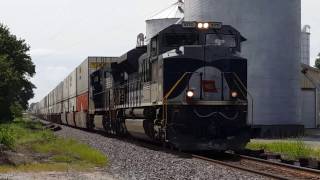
pixel 190 93
pixel 206 25
pixel 234 94
pixel 200 25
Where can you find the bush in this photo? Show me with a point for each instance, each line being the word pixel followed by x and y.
pixel 16 110
pixel 6 137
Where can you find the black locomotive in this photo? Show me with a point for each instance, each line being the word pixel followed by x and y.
pixel 185 88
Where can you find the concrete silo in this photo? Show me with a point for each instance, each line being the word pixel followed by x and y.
pixel 273 30
pixel 164 19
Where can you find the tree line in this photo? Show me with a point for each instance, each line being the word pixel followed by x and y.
pixel 16 69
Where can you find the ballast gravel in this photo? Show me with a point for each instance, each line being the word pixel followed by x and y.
pixel 134 162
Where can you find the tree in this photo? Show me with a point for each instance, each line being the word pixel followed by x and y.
pixel 318 62
pixel 16 68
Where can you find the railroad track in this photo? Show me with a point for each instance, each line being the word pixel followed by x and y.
pixel 262 167
pixel 270 169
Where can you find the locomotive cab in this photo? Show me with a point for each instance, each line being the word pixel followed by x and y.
pixel 221 73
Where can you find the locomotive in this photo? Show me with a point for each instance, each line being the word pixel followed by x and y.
pixel 186 88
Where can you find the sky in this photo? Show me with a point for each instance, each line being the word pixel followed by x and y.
pixel 62 33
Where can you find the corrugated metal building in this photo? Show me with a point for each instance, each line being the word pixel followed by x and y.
pixel 310 102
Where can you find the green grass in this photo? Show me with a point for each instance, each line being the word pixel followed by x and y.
pixel 71 151
pixel 25 132
pixel 64 154
pixel 291 150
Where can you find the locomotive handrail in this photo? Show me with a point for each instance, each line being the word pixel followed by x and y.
pixel 250 95
pixel 165 99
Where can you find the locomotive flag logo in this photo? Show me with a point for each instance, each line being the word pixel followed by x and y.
pixel 209 86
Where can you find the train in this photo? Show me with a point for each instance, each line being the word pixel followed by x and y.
pixel 186 88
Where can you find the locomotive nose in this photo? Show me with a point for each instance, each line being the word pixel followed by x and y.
pixel 208 84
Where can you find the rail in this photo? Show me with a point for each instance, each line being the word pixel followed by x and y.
pixel 243 168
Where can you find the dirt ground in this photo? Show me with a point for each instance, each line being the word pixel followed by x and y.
pixel 57 175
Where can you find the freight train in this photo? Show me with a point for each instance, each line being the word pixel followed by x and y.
pixel 186 88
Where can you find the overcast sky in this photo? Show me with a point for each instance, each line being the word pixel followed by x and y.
pixel 62 33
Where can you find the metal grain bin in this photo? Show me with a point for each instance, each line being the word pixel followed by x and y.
pixel 164 19
pixel 305 45
pixel 273 32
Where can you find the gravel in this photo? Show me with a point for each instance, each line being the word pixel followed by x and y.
pixel 132 161
pixel 57 175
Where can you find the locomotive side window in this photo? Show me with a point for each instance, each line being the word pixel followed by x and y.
pixel 221 40
pixel 176 40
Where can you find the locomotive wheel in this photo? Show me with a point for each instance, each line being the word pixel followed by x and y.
pixel 107 124
pixel 121 127
pixel 89 122
pixel 119 124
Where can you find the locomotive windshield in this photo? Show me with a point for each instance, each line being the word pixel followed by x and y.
pixel 221 40
pixel 175 40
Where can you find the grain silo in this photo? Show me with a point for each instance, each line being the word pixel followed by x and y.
pixel 305 45
pixel 273 30
pixel 164 19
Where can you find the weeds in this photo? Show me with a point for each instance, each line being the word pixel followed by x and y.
pixel 29 136
pixel 292 150
pixel 6 137
pixel 71 151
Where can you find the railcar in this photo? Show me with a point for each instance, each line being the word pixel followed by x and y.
pixel 185 88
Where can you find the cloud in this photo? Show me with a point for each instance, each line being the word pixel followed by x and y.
pixel 42 52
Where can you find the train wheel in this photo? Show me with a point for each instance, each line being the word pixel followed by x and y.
pixel 89 122
pixel 106 124
pixel 121 127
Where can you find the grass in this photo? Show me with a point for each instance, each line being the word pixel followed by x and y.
pixel 21 132
pixel 71 151
pixel 291 150
pixel 28 137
